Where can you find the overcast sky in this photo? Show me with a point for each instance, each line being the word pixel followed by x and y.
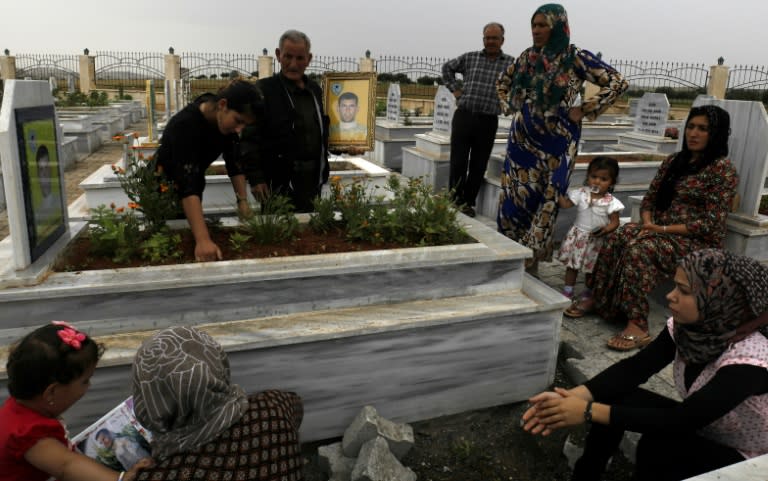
pixel 670 30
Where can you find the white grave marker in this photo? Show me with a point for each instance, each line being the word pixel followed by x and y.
pixel 393 103
pixel 445 106
pixel 32 172
pixel 652 111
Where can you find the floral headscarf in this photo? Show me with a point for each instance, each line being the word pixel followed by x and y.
pixel 732 297
pixel 182 391
pixel 545 69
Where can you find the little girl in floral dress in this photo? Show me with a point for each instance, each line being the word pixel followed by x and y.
pixel 598 215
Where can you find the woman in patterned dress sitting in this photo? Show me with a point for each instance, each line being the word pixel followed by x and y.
pixel 684 210
pixel 203 426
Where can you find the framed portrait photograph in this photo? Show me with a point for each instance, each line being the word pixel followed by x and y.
pixel 41 177
pixel 350 102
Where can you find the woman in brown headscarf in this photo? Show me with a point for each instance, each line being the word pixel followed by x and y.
pixel 717 342
pixel 182 394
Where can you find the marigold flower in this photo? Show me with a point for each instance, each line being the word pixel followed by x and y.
pixel 120 210
pixel 164 188
pixel 112 206
pixel 133 205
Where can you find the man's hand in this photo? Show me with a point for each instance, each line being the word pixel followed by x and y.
pixel 260 192
pixel 457 93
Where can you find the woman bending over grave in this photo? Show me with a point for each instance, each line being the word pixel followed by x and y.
pixel 201 423
pixel 716 341
pixel 541 90
pixel 684 210
pixel 194 138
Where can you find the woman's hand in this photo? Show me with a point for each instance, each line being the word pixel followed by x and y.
pixel 576 114
pixel 132 473
pixel 207 250
pixel 567 409
pixel 530 419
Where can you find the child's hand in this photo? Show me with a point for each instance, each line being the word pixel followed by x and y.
pixel 143 463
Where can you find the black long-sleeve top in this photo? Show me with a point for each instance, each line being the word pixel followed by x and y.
pixel 727 389
pixel 189 146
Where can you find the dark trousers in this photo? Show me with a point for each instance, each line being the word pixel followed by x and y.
pixel 303 187
pixel 660 456
pixel 472 137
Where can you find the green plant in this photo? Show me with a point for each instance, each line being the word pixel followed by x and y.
pixel 381 107
pixel 162 245
pixel 114 232
pixel 150 193
pixel 238 240
pixel 415 215
pixel 276 223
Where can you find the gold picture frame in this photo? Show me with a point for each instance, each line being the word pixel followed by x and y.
pixel 350 102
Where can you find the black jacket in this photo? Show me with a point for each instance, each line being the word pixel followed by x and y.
pixel 269 147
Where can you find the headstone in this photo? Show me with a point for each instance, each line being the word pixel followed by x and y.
pixel 32 171
pixel 652 111
pixel 445 106
pixel 53 83
pixel 167 98
pixel 393 103
pixel 70 84
pixel 151 106
pixel 633 107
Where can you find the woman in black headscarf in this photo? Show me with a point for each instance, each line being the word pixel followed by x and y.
pixel 716 341
pixel 684 210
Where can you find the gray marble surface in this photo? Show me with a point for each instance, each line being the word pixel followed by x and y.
pixel 412 360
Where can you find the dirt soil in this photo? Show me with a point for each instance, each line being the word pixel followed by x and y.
pixel 79 255
pixel 485 445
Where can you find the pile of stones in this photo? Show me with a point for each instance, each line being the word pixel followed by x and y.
pixel 370 450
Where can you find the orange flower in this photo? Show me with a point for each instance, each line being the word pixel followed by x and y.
pixel 120 210
pixel 133 205
pixel 112 206
pixel 163 188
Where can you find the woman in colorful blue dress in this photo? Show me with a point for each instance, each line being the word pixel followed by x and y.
pixel 541 90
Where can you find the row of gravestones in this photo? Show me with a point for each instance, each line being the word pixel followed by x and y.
pixel 748 150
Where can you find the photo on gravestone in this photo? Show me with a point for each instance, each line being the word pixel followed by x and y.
pixel 350 103
pixel 41 178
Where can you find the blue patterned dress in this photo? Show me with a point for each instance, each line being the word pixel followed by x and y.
pixel 542 143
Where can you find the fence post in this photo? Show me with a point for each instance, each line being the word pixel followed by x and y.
pixel 7 66
pixel 87 72
pixel 172 74
pixel 367 64
pixel 718 80
pixel 266 68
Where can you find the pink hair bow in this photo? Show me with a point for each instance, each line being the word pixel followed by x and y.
pixel 69 335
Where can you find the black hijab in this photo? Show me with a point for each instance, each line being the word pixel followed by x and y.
pixel 683 166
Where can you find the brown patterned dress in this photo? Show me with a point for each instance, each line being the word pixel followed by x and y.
pixel 263 445
pixel 631 265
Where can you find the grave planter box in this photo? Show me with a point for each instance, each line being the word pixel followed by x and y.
pixel 417 332
pixel 103 188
